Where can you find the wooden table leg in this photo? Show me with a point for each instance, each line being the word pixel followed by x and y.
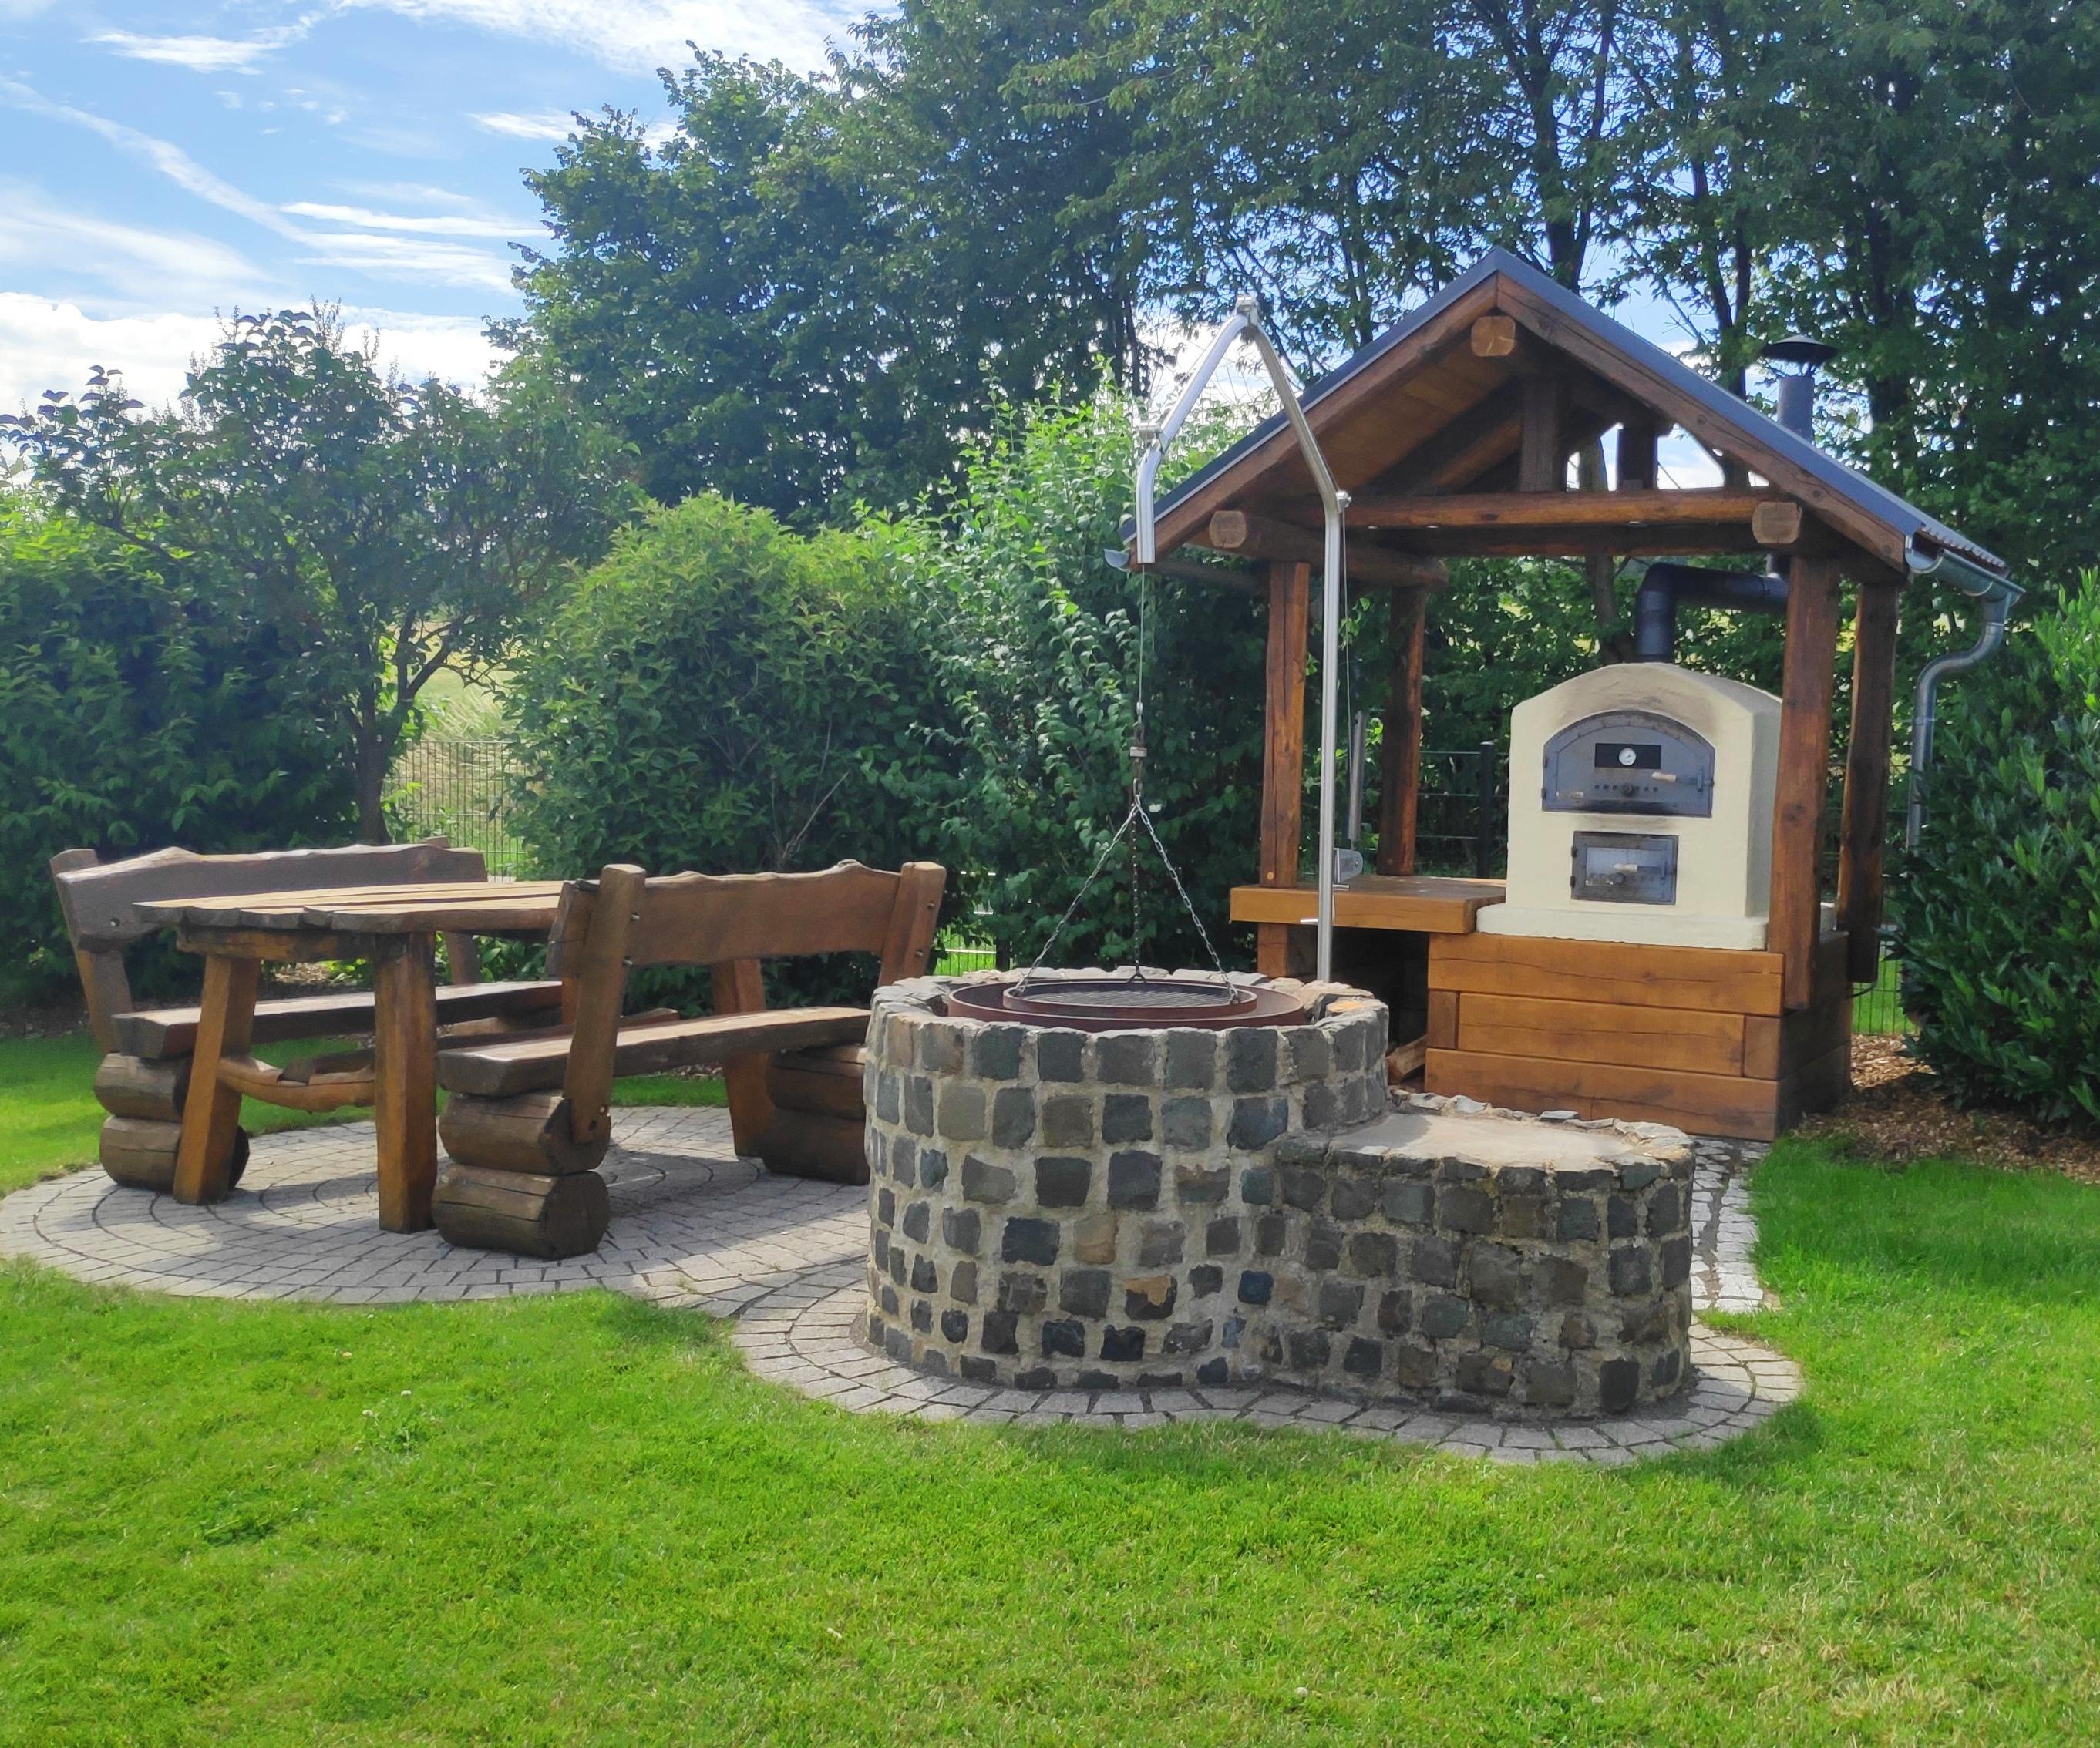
pixel 405 1043
pixel 211 1112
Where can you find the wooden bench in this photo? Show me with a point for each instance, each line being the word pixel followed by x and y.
pixel 143 1079
pixel 528 1119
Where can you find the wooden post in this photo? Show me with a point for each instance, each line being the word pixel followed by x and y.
pixel 1542 461
pixel 1400 780
pixel 1865 828
pixel 405 1065
pixel 1283 748
pixel 1637 455
pixel 741 988
pixel 211 1113
pixel 600 980
pixel 1804 772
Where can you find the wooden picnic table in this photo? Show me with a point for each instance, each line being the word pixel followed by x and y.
pixel 397 929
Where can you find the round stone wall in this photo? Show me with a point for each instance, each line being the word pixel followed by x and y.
pixel 1050 1208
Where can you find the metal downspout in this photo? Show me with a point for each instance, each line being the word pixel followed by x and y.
pixel 1998 595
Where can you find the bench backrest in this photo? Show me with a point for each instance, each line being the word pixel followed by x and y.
pixel 730 924
pixel 100 899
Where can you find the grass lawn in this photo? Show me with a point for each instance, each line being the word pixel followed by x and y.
pixel 578 1519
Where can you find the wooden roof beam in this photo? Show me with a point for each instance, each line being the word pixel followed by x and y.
pixel 1517 511
pixel 1260 537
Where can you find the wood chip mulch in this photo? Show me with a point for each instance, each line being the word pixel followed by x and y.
pixel 1896 1112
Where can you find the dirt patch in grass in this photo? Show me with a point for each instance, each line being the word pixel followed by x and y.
pixel 1898 1111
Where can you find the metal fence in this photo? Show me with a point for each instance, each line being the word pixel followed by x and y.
pixel 1461 811
pixel 462 788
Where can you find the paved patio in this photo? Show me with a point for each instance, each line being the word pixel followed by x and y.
pixel 693 1225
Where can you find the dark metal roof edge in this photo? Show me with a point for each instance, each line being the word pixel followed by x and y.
pixel 1902 518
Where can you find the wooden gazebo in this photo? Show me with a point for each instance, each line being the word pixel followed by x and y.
pixel 1453 433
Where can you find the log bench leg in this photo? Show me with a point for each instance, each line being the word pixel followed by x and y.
pixel 211 1112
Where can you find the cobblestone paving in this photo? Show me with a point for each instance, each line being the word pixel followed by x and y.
pixel 693 1225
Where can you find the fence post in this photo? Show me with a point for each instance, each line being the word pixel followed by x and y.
pixel 1484 825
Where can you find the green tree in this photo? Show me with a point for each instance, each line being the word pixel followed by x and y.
pixel 387 532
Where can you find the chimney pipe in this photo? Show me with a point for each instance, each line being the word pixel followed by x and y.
pixel 1796 390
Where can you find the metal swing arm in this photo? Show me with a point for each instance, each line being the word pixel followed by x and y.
pixel 1333 502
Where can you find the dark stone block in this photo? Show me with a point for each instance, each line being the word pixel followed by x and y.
pixel 1060 1055
pixel 1258 1186
pixel 897 1344
pixel 1163 1242
pixel 1257 1122
pixel 1061 1181
pixel 964 1115
pixel 1309 1349
pixel 1084 1292
pixel 1185 1123
pixel 1270 1231
pixel 1486 1374
pixel 1434 1262
pixel 1562 1281
pixel 1221 1237
pixel 962 1229
pixel 922 1317
pixel 1496 1273
pixel 1123 1343
pixel 1630 1270
pixel 885 1206
pixel 918 1105
pixel 1355 1196
pixel 918 1221
pixel 998 1328
pixel 977 1369
pixel 940 1048
pixel 1126 1116
pixel 1323 1245
pixel 1461 1210
pixel 1065 1337
pixel 1352 1045
pixel 1444 1316
pixel 1638 1174
pixel 1396 1311
pixel 1250 1059
pixel 889 1301
pixel 1578 1219
pixel 1012 1116
pixel 1363 1358
pixel 1409 1203
pixel 1664 1371
pixel 1206 1279
pixel 1372 1254
pixel 1618 1383
pixel 1188 1338
pixel 1452 1169
pixel 1028 1240
pixel 962 1283
pixel 1414 1365
pixel 1340 1304
pixel 903 1168
pixel 1665 1211
pixel 1523 1180
pixel 1622 1217
pixel 1322 1107
pixel 1676 1261
pixel 1134 1180
pixel 1149 1298
pixel 879 1249
pixel 1215 1372
pixel 1312 1056
pixel 1024 1294
pixel 1191 1058
pixel 1644 1323
pixel 1195 1185
pixel 889 1095
pixel 1256 1287
pixel 1525 1215
pixel 1068 1120
pixel 932 1168
pixel 1092 1379
pixel 925 1278
pixel 996 1053
pixel 956 1327
pixel 1304 1186
pixel 1036 1378
pixel 1509 1329
pixel 1126 1058
pixel 1549 1384
pixel 983 1182
pixel 1230 1331
pixel 933 1360
pixel 1578 1331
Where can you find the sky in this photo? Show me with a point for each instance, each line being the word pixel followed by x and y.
pixel 162 165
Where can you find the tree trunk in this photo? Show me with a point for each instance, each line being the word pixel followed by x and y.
pixel 373 759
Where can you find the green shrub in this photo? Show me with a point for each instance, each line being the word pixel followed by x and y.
pixel 136 710
pixel 2000 912
pixel 722 695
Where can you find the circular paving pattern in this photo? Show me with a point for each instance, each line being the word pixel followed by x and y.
pixel 695 1226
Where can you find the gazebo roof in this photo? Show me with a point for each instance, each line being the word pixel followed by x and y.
pixel 1431 425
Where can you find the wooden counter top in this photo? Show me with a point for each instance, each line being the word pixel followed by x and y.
pixel 1424 904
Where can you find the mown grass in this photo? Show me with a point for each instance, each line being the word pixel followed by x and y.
pixel 578 1519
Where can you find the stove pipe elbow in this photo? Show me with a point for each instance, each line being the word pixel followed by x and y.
pixel 1668 584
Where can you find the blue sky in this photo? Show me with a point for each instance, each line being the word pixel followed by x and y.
pixel 159 164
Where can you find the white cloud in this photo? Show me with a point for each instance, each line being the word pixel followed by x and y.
pixel 637 35
pixel 202 54
pixel 410 257
pixel 435 224
pixel 133 265
pixel 45 344
pixel 551 124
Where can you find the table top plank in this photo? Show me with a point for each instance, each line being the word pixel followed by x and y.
pixel 491 905
pixel 1426 904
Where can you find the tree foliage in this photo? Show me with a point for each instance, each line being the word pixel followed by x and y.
pixel 1999 912
pixel 382 532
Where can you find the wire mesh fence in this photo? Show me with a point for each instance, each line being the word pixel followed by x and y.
pixel 462 788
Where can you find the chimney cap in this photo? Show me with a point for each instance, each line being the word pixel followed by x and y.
pixel 1799 349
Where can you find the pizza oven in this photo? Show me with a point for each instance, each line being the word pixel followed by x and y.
pixel 1641 809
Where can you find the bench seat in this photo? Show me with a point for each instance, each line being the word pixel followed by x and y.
pixel 155 1034
pixel 499 1070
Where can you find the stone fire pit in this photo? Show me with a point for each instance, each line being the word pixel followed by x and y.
pixel 1161 1207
